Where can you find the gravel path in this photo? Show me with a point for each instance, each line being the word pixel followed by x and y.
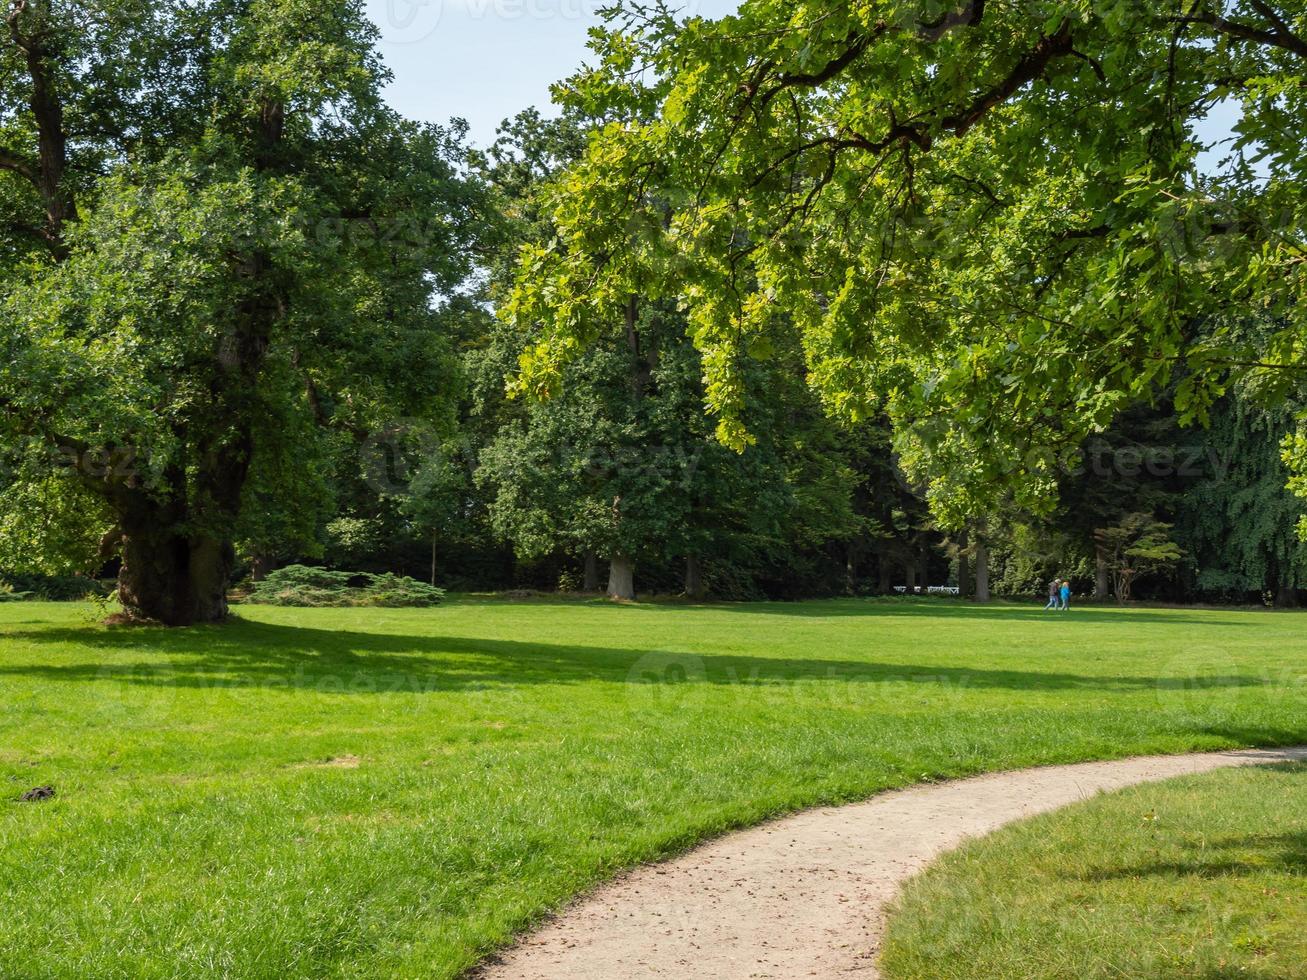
pixel 804 896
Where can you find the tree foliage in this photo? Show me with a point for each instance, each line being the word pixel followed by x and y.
pixel 984 211
pixel 218 234
pixel 1136 546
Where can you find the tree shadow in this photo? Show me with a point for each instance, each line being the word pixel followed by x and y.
pixel 1284 853
pixel 251 654
pixel 1281 853
pixel 961 609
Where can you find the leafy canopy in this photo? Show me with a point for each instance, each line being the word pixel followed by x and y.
pixel 988 212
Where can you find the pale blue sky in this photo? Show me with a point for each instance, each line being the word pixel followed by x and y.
pixel 485 60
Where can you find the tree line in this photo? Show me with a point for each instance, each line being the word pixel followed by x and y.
pixel 660 343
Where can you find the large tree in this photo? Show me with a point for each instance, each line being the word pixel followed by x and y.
pixel 216 236
pixel 988 212
pixel 622 466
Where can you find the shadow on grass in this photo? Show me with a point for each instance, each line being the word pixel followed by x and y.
pixel 963 609
pixel 1280 853
pixel 252 654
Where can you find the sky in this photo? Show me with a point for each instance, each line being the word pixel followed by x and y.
pixel 486 60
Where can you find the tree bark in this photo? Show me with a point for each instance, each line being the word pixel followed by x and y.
pixel 693 577
pixel 884 576
pixel 910 574
pixel 1102 576
pixel 260 565
pixel 964 567
pixel 621 577
pixel 433 559
pixel 47 175
pixel 590 579
pixel 173 579
pixel 981 553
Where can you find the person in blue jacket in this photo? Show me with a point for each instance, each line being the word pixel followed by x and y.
pixel 1065 595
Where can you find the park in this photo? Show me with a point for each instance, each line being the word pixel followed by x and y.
pixel 731 490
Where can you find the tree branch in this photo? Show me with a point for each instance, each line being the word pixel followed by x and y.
pixel 1031 66
pixel 17 163
pixel 1282 37
pixel 968 16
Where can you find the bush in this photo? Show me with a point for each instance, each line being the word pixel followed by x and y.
pixel 51 588
pixel 400 590
pixel 301 585
pixel 7 593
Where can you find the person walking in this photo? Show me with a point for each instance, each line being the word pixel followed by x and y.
pixel 1064 594
pixel 1054 589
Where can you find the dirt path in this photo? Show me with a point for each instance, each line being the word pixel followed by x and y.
pixel 804 896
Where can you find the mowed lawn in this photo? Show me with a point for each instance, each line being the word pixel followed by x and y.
pixel 395 792
pixel 1203 876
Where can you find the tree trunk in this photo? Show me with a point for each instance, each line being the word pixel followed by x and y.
pixel 964 567
pixel 172 579
pixel 910 574
pixel 981 553
pixel 621 577
pixel 923 570
pixel 590 579
pixel 1102 576
pixel 884 576
pixel 1286 597
pixel 46 173
pixel 433 559
pixel 260 565
pixel 693 577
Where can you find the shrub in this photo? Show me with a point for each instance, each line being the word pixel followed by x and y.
pixel 301 585
pixel 7 593
pixel 400 590
pixel 52 588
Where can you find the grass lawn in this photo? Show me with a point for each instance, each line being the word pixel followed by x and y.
pixel 395 792
pixel 1204 876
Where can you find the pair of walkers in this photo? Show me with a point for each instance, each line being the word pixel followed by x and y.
pixel 1059 594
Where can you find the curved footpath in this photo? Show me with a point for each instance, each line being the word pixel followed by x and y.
pixel 805 896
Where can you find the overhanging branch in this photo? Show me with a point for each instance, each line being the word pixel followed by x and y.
pixel 1280 36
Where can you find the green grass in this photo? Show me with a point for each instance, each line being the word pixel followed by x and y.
pixel 1204 876
pixel 394 792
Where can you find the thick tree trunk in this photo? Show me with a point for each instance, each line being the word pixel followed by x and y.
pixel 590 577
pixel 621 577
pixel 1102 577
pixel 981 554
pixel 172 579
pixel 910 574
pixel 693 577
pixel 884 576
